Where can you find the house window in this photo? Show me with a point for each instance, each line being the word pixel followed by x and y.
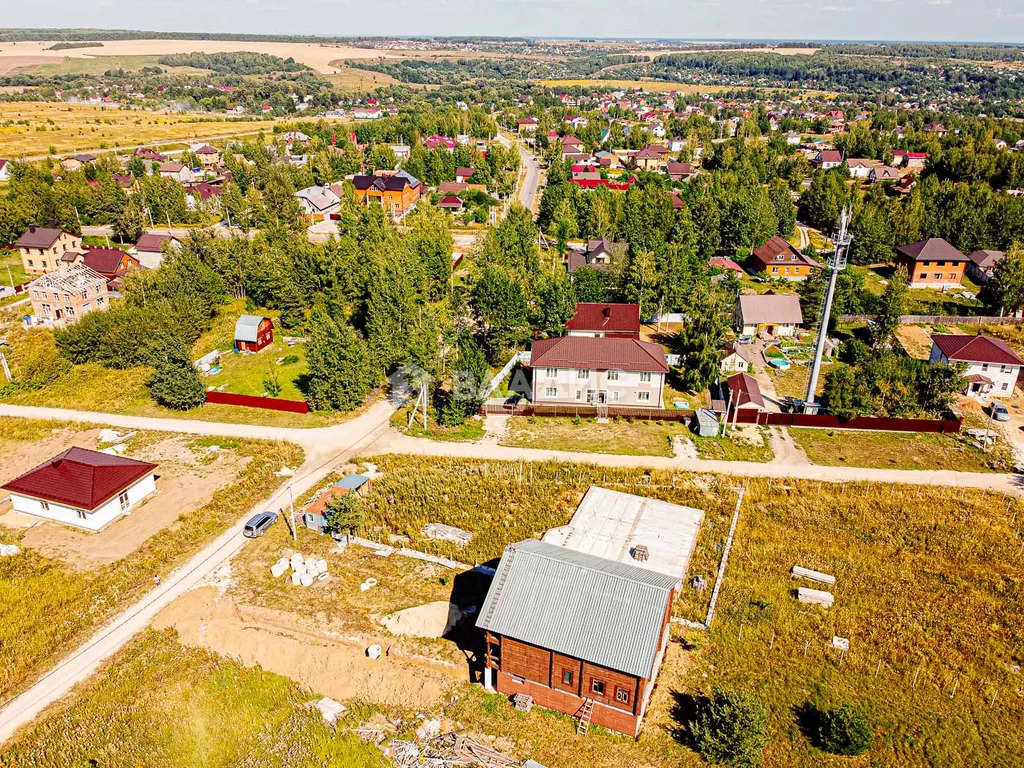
pixel 984 367
pixel 567 676
pixel 43 264
pixel 81 514
pixel 30 262
pixel 938 275
pixel 123 500
pixel 69 311
pixel 645 377
pixel 615 397
pixel 775 270
pixel 643 397
pixel 579 394
pixel 551 392
pixel 1004 386
pixel 621 694
pixel 597 686
pixel 922 276
pixel 551 373
pixel 613 375
pixel 583 373
pixel 44 505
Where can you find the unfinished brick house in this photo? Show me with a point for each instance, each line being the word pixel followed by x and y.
pixel 579 622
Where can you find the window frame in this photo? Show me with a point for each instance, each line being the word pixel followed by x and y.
pixel 597 687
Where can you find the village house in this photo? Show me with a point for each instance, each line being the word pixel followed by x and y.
pixel 982 264
pixel 253 333
pixel 739 358
pixel 992 367
pixel 208 156
pixel 463 174
pixel 593 653
pixel 647 159
pixel 778 259
pixel 572 146
pixel 592 370
pixel 614 321
pixel 176 172
pixel 42 248
pixel 932 263
pixel 319 202
pixel 64 297
pixel 84 488
pixel 599 254
pixel 111 263
pixel 77 162
pixel 827 159
pixel 527 125
pixel 859 168
pixel 724 266
pixel 451 203
pixel 744 393
pixel 679 171
pixel 774 315
pixel 397 193
pixel 202 196
pixel 150 249
pixel 883 173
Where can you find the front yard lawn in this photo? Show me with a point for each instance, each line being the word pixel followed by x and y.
pixel 635 438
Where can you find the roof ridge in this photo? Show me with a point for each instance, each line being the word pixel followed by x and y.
pixel 609 561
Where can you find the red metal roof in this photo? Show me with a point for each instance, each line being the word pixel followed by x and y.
pixel 976 349
pixel 598 353
pixel 80 478
pixel 616 318
pixel 745 391
pixel 106 261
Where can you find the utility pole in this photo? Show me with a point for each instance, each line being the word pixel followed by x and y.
pixel 837 263
pixel 291 513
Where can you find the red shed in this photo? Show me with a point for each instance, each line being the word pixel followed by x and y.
pixel 253 333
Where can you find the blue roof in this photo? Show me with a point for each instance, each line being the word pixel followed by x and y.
pixel 353 482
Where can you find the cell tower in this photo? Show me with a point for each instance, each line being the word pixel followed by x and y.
pixel 836 264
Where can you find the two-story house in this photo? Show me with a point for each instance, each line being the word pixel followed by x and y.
pixel 42 248
pixel 992 367
pixel 397 193
pixel 932 263
pixel 778 259
pixel 609 320
pixel 595 370
pixel 66 296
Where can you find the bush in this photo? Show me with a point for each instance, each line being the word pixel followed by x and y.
pixel 729 728
pixel 176 384
pixel 844 730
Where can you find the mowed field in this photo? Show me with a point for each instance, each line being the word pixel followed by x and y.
pixel 320 57
pixel 28 129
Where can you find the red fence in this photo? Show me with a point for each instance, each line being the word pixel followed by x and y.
pixel 270 403
pixel 589 412
pixel 824 421
pixel 595 183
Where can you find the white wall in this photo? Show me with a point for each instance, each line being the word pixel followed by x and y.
pixel 1004 377
pixel 567 383
pixel 93 521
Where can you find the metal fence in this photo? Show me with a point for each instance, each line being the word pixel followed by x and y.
pixel 588 411
pixel 249 401
pixel 942 319
pixel 825 421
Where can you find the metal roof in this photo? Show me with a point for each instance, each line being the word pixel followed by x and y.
pixel 353 482
pixel 587 607
pixel 247 327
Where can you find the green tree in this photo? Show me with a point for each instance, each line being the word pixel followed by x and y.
pixel 382 158
pixel 130 224
pixel 176 384
pixel 342 370
pixel 700 340
pixel 555 302
pixel 844 730
pixel 891 305
pixel 469 379
pixel 641 281
pixel 1004 292
pixel 844 394
pixel 345 514
pixel 730 728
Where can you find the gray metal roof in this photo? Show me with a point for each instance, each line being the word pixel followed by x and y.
pixel 247 327
pixel 591 608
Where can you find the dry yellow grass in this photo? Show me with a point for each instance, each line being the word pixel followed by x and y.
pixel 649 85
pixel 30 129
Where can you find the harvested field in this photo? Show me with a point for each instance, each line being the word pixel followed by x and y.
pixel 14 62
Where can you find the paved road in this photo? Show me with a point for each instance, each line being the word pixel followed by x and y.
pixel 531 179
pixel 325 447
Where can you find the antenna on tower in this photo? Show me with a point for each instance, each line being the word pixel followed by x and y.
pixel 836 264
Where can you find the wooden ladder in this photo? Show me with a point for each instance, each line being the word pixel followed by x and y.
pixel 586 711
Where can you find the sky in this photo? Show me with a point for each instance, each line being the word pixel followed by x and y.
pixel 946 20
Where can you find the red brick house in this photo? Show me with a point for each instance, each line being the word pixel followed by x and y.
pixel 932 263
pixel 253 333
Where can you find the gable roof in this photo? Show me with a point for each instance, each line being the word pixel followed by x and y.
pixel 587 607
pixel 831 156
pixel 932 249
pixel 986 259
pixel 80 478
pixel 206 149
pixel 247 327
pixel 777 250
pixel 606 317
pixel 106 261
pixel 39 237
pixel 599 353
pixel 781 308
pixel 976 349
pixel 150 243
pixel 740 350
pixel 745 390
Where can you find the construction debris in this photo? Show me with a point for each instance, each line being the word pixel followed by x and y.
pixel 523 702
pixel 330 709
pixel 9 550
pixel 452 750
pixel 815 597
pixel 304 570
pixel 816 576
pixel 442 532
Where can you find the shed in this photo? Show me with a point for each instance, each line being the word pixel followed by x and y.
pixel 253 333
pixel 355 483
pixel 704 423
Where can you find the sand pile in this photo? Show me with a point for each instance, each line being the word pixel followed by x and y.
pixel 430 620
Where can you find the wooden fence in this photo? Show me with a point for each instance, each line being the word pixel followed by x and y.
pixel 942 319
pixel 825 421
pixel 249 401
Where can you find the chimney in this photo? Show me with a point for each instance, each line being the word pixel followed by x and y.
pixel 607 311
pixel 32 228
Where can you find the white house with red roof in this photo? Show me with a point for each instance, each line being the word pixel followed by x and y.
pixel 992 367
pixel 81 487
pixel 598 370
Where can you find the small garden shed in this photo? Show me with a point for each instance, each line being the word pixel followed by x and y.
pixel 253 333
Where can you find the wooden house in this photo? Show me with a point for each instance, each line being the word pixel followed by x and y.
pixel 253 333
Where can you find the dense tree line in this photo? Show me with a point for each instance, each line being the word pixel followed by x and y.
pixel 233 62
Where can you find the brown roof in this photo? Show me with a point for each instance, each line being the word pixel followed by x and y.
pixel 771 251
pixel 621 318
pixel 976 349
pixel 106 261
pixel 831 156
pixel 39 237
pixel 150 243
pixel 598 353
pixel 778 308
pixel 452 187
pixel 171 167
pixel 986 259
pixel 80 478
pixel 745 391
pixel 932 249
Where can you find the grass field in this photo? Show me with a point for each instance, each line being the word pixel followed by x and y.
pixel 162 704
pixel 636 438
pixel 99 62
pixel 49 608
pixel 29 129
pixel 927 579
pixel 899 450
